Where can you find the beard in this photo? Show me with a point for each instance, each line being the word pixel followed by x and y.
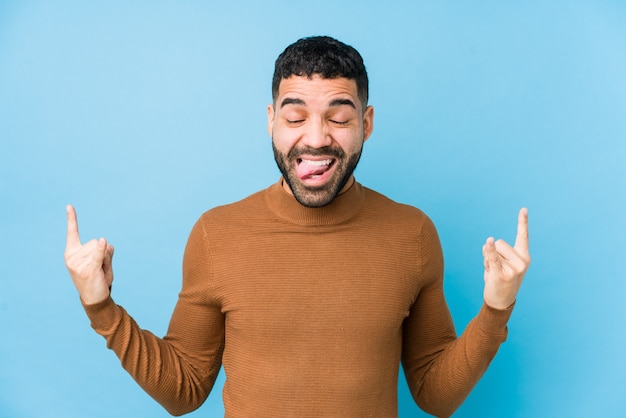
pixel 315 197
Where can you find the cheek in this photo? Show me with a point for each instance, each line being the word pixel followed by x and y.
pixel 284 139
pixel 351 141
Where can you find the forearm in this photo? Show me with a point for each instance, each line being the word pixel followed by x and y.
pixel 162 369
pixel 455 370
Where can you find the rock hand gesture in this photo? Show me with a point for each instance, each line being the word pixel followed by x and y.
pixel 505 266
pixel 89 264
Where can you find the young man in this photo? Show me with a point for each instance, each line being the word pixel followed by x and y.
pixel 312 292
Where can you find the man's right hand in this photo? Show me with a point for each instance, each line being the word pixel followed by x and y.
pixel 89 265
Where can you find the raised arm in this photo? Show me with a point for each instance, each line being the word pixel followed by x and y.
pixel 441 369
pixel 178 370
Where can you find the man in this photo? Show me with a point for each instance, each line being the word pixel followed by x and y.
pixel 312 292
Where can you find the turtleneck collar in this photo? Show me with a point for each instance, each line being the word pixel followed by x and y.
pixel 341 209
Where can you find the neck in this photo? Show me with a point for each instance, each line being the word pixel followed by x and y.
pixel 346 205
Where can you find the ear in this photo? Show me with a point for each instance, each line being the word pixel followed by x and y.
pixel 270 119
pixel 368 122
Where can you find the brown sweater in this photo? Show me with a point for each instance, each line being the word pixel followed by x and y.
pixel 310 311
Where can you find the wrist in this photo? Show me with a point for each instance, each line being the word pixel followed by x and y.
pixel 95 296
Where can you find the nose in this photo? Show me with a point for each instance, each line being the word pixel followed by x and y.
pixel 317 135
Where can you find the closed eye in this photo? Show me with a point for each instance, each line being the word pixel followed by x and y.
pixel 339 122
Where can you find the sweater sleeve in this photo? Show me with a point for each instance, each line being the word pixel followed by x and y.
pixel 179 370
pixel 440 368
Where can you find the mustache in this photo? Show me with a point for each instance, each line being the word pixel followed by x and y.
pixel 336 152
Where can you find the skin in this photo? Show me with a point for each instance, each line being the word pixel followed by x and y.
pixel 505 266
pixel 310 115
pixel 89 265
pixel 309 119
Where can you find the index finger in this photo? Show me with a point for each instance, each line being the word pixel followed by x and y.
pixel 521 240
pixel 73 239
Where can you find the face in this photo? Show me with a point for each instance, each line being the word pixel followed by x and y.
pixel 318 127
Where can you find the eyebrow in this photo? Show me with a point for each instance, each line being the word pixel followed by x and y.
pixel 343 102
pixel 299 102
pixel 291 101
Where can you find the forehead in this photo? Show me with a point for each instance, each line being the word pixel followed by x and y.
pixel 317 90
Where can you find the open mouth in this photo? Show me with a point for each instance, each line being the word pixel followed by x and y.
pixel 313 169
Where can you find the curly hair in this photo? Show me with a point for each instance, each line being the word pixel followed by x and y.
pixel 323 56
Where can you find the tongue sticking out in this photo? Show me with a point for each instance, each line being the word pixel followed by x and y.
pixel 308 168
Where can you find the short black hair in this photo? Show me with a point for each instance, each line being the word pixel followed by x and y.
pixel 323 56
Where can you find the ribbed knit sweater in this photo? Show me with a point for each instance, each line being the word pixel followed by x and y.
pixel 310 311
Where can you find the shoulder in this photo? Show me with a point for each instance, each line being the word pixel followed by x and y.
pixel 399 219
pixel 242 209
pixel 226 221
pixel 412 232
pixel 385 208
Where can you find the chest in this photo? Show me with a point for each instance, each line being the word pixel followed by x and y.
pixel 306 285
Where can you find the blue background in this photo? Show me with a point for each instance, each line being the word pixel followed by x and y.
pixel 144 114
